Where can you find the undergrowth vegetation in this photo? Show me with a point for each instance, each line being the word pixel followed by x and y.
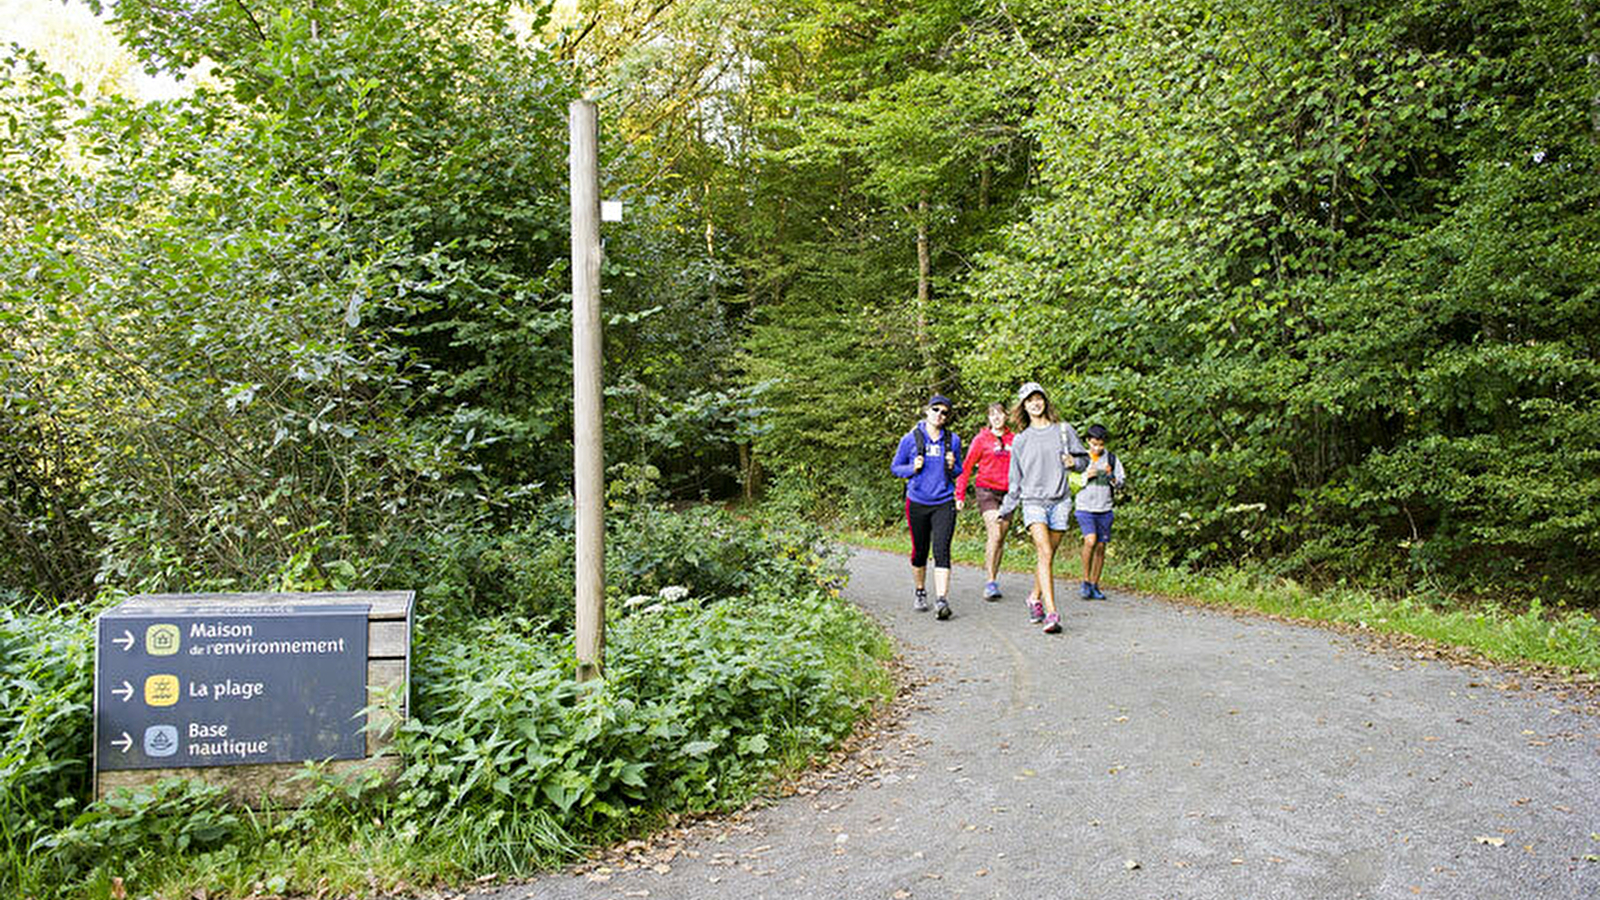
pixel 730 658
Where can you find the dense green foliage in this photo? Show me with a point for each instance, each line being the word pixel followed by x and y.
pixel 1326 271
pixel 729 656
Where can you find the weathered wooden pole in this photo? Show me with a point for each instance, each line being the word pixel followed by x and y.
pixel 587 440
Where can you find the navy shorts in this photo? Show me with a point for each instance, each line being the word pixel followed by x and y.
pixel 1095 523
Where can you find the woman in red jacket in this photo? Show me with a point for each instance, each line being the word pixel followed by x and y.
pixel 990 452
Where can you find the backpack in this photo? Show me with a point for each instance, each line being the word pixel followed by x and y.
pixel 1076 481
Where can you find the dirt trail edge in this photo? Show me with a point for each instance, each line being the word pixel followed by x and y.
pixel 1157 750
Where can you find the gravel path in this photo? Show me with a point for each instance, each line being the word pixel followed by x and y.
pixel 1156 750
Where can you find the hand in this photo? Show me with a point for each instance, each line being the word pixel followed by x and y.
pixel 950 458
pixel 916 464
pixel 961 504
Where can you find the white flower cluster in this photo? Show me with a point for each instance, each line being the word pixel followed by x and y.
pixel 672 593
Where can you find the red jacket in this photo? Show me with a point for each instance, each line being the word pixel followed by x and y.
pixel 991 453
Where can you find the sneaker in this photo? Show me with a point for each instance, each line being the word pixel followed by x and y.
pixel 991 591
pixel 942 609
pixel 920 604
pixel 1052 624
pixel 1036 612
pixel 1098 594
pixel 1086 591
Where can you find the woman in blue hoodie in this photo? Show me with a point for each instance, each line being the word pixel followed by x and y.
pixel 929 457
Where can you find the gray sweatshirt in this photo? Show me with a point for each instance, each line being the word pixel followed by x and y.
pixel 1096 495
pixel 1037 476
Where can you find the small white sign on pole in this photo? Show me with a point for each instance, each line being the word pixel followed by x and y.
pixel 611 210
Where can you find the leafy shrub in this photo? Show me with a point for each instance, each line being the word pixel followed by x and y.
pixel 134 833
pixel 751 662
pixel 697 703
pixel 46 679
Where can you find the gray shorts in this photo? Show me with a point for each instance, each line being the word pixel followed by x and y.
pixel 1057 516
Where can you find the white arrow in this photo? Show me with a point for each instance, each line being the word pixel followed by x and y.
pixel 126 636
pixel 125 692
pixel 125 744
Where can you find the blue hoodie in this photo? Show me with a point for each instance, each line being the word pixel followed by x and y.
pixel 933 485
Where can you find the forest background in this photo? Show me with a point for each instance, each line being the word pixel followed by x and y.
pixel 1327 271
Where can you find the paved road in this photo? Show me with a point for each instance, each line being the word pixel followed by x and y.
pixel 1160 751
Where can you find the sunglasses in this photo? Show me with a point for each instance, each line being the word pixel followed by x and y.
pixel 941 410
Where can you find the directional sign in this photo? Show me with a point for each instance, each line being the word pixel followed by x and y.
pixel 219 685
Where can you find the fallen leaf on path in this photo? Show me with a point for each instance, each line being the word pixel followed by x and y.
pixel 981 872
pixel 901 894
pixel 1130 864
pixel 1491 841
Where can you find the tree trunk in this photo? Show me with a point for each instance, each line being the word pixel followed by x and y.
pixel 747 466
pixel 1591 58
pixel 924 264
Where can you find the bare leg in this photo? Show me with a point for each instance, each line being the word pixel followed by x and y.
pixel 1099 562
pixel 1044 548
pixel 941 582
pixel 995 546
pixel 919 576
pixel 1089 546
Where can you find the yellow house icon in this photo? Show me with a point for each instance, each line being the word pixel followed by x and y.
pixel 161 640
pixel 161 690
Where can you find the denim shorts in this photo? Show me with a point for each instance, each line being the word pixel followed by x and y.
pixel 1057 516
pixel 1097 524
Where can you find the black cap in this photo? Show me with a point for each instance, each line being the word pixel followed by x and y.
pixel 1097 431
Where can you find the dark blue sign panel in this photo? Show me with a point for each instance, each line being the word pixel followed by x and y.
pixel 217 685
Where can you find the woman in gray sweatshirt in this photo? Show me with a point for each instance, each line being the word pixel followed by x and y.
pixel 1044 450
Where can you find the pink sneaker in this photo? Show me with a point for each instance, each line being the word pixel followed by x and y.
pixel 1036 612
pixel 1052 624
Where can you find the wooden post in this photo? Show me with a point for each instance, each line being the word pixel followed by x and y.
pixel 587 441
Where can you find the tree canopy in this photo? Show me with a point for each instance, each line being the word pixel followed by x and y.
pixel 1326 271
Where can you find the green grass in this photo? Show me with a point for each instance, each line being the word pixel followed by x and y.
pixel 1568 642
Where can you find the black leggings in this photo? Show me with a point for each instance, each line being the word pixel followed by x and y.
pixel 937 522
